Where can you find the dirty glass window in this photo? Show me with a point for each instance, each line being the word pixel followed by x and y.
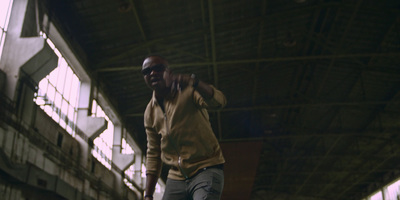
pixel 376 196
pixel 127 149
pixel 5 10
pixel 130 172
pixel 388 192
pixel 102 149
pixel 58 93
pixel 392 191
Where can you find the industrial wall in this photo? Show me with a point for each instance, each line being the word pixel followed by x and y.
pixel 38 158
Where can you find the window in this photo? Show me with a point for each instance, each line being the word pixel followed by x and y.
pixel 5 10
pixel 392 192
pixel 58 93
pixel 102 150
pixel 376 196
pixel 126 148
pixel 158 188
pixel 130 172
pixel 143 171
pixel 129 184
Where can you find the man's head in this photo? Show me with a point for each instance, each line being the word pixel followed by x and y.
pixel 156 73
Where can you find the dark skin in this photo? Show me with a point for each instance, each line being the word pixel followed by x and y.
pixel 163 82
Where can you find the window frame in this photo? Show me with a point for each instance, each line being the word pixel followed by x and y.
pixel 52 95
pixel 3 30
pixel 102 154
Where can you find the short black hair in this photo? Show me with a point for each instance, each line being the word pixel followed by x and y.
pixel 155 55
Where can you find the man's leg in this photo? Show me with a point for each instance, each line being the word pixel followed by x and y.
pixel 175 190
pixel 207 185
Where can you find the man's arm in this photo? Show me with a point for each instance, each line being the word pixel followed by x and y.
pixel 204 89
pixel 151 182
pixel 181 81
pixel 213 97
pixel 153 161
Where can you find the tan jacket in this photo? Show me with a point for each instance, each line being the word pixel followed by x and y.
pixel 182 137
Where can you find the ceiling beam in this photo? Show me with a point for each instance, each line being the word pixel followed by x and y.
pixel 272 107
pixel 314 184
pixel 214 58
pixel 370 134
pixel 373 169
pixel 272 173
pixel 213 48
pixel 128 50
pixel 395 151
pixel 275 59
pixel 298 82
pixel 361 73
pixel 339 46
pixel 205 36
pixel 344 35
pixel 139 23
pixel 259 48
pixel 319 157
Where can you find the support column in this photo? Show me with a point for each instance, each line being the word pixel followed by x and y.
pixel 122 161
pixel 88 127
pixel 25 60
pixel 32 54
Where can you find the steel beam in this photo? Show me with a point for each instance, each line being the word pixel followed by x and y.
pixel 274 59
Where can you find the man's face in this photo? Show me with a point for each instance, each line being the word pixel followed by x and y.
pixel 155 73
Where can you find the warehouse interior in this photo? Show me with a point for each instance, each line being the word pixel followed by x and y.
pixel 313 91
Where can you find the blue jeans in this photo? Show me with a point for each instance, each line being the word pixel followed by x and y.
pixel 206 185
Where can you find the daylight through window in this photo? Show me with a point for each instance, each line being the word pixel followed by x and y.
pixel 5 10
pixel 102 150
pixel 58 93
pixel 390 192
